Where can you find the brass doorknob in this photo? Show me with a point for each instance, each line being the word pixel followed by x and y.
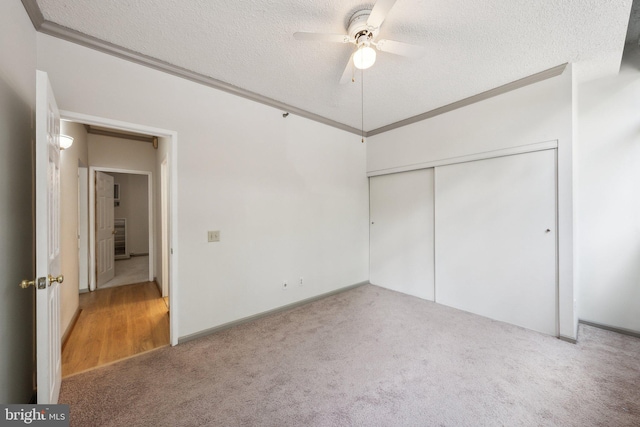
pixel 113 232
pixel 26 283
pixel 58 279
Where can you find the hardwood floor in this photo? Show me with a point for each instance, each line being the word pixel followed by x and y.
pixel 116 323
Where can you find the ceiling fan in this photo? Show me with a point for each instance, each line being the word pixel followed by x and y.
pixel 364 26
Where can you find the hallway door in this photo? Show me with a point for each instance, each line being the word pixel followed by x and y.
pixel 105 230
pixel 48 266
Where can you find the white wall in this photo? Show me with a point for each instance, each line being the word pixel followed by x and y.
pixel 69 158
pixel 609 197
pixel 534 114
pixel 134 206
pixel 17 104
pixel 290 196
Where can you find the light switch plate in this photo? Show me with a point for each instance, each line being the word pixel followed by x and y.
pixel 213 236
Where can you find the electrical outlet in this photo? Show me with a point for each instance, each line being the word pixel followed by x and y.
pixel 284 285
pixel 301 283
pixel 213 236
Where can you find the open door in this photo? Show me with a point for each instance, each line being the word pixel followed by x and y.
pixel 47 216
pixel 105 229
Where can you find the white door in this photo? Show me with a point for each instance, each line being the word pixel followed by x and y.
pixel 496 239
pixel 401 232
pixel 47 215
pixel 105 230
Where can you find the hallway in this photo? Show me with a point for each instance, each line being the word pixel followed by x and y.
pixel 116 323
pixel 128 271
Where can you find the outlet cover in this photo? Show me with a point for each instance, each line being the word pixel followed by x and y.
pixel 213 236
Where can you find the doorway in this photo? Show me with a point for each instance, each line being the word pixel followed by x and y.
pixel 121 225
pixel 162 262
pixel 132 224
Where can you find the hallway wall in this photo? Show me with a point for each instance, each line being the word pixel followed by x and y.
pixel 69 159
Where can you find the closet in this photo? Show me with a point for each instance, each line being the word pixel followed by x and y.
pixel 478 236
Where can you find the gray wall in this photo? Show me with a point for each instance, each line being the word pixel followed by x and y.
pixel 17 103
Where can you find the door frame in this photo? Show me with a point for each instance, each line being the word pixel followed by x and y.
pixel 172 171
pixel 164 225
pixel 83 227
pixel 92 219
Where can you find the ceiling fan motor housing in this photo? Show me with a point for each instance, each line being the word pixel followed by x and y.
pixel 359 30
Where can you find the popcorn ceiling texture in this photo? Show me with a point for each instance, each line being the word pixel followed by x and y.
pixel 472 46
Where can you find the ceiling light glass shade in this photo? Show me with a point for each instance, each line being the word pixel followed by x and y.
pixel 364 57
pixel 65 142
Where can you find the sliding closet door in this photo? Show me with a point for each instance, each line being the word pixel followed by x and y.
pixel 496 238
pixel 401 232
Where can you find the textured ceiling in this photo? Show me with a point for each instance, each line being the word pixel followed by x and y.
pixel 471 46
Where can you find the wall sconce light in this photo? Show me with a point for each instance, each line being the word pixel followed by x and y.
pixel 65 142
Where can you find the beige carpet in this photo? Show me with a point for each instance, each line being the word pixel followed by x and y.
pixel 369 357
pixel 129 271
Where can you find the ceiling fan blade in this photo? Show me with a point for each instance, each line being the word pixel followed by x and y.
pixel 400 48
pixel 321 37
pixel 349 71
pixel 379 12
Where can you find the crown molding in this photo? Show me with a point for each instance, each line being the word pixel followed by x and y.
pixel 56 30
pixel 517 84
pixel 64 33
pixel 34 12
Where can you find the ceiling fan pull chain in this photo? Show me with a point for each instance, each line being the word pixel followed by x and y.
pixel 362 99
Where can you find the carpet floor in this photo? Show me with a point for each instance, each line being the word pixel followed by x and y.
pixel 369 357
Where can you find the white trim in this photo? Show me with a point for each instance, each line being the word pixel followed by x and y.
pixel 557 201
pixel 164 225
pixel 115 124
pixel 83 227
pixel 529 148
pixel 92 218
pixel 173 199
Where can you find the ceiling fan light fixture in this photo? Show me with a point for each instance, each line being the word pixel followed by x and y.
pixel 364 57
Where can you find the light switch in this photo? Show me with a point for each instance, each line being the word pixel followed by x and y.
pixel 213 236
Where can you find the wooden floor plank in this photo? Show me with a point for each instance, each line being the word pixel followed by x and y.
pixel 116 323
